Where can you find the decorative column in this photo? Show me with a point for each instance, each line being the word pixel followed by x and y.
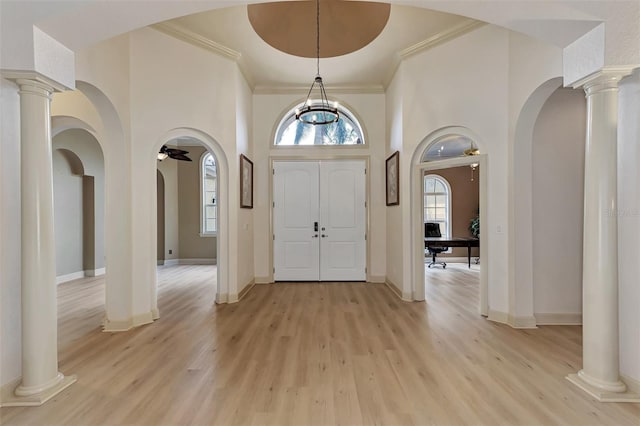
pixel 40 377
pixel 600 375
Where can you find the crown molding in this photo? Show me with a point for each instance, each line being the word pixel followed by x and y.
pixel 441 37
pixel 296 90
pixel 184 34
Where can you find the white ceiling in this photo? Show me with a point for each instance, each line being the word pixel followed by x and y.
pixel 266 67
pixel 80 24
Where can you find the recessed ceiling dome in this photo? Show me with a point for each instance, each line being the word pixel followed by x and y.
pixel 345 26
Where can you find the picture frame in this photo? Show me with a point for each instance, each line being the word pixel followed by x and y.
pixel 393 179
pixel 246 183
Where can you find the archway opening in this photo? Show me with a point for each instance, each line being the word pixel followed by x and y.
pixel 188 204
pixel 79 218
pixel 448 207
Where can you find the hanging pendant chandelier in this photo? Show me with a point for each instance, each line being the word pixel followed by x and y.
pixel 318 112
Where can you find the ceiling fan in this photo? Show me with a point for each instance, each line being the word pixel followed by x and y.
pixel 176 154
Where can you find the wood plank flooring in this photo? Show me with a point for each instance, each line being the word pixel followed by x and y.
pixel 315 354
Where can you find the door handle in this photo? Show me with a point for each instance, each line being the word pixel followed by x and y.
pixel 324 236
pixel 314 236
pixel 315 227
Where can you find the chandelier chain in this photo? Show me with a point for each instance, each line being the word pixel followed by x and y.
pixel 318 37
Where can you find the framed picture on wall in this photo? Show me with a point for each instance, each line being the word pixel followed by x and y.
pixel 393 179
pixel 246 183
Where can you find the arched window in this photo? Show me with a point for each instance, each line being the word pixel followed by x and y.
pixel 346 131
pixel 437 203
pixel 209 202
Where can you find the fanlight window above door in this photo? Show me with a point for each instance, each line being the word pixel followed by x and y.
pixel 450 146
pixel 346 131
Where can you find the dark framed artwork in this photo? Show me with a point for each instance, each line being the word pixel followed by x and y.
pixel 393 179
pixel 246 183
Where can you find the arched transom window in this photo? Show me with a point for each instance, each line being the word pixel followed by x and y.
pixel 437 203
pixel 209 225
pixel 346 131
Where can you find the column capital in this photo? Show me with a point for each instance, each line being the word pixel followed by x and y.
pixel 34 87
pixel 33 78
pixel 605 79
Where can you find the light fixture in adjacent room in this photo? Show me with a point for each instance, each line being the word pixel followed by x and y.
pixel 317 112
pixel 473 169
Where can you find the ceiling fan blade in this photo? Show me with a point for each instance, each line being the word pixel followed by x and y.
pixel 176 151
pixel 179 157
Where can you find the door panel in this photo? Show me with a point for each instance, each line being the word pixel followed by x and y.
pixel 343 220
pixel 331 193
pixel 296 249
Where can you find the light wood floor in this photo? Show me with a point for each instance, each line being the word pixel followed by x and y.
pixel 315 354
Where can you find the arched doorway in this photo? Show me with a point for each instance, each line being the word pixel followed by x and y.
pixel 201 246
pixel 432 154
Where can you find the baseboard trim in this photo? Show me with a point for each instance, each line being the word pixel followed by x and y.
pixel 632 384
pixel 171 262
pixel 8 398
pixel 377 279
pixel 197 261
pixel 558 319
pixel 109 326
pixel 70 277
pixel 222 298
pixel 522 322
pixel 94 272
pixel 6 391
pixel 247 288
pixel 142 319
pixel 263 280
pixel 394 288
pixel 497 316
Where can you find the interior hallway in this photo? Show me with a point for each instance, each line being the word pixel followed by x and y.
pixel 330 353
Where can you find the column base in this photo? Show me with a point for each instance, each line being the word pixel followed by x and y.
pixel 600 394
pixel 10 399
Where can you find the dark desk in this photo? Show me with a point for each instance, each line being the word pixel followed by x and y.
pixel 453 242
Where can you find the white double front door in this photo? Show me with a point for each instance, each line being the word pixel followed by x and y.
pixel 319 220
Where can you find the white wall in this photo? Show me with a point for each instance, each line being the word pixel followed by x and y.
pixel 629 225
pixel 462 83
pixel 244 131
pixel 103 102
pixel 369 109
pixel 165 96
pixel 535 70
pixel 10 275
pixel 394 131
pixel 558 205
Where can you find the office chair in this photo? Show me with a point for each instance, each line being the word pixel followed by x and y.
pixel 432 230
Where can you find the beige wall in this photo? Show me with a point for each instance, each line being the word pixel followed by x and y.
pixel 465 200
pixel 191 244
pixel 169 170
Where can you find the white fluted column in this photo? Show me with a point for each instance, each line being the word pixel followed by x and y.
pixel 600 375
pixel 40 377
